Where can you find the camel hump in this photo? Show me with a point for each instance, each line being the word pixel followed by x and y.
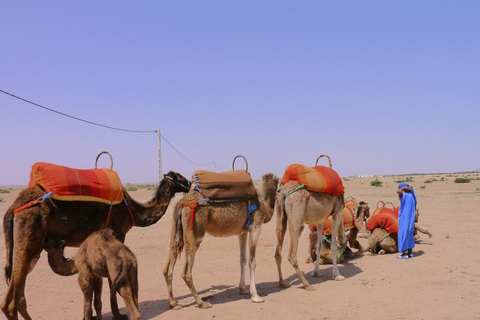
pixel 318 179
pixel 235 184
pixel 68 184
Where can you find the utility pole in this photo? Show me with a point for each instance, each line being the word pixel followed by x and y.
pixel 159 156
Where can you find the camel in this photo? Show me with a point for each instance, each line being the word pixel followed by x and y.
pixel 220 219
pixel 71 221
pixel 361 212
pixel 382 242
pixel 101 255
pixel 300 207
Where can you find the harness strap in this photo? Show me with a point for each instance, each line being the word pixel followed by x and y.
pixel 108 216
pixel 175 181
pixel 32 203
pixel 129 212
pixel 251 208
pixel 192 205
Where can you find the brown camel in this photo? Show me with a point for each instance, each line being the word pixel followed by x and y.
pixel 361 212
pixel 220 219
pixel 101 255
pixel 382 242
pixel 297 208
pixel 72 222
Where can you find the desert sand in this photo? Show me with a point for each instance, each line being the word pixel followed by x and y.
pixel 441 281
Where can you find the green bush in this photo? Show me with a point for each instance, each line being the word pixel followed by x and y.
pixel 376 183
pixel 462 180
pixel 4 190
pixel 428 181
pixel 131 188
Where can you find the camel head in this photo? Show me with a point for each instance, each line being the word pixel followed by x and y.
pixel 181 184
pixel 269 190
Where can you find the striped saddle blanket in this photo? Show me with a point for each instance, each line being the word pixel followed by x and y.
pixel 384 218
pixel 348 212
pixel 99 185
pixel 317 179
pixel 229 185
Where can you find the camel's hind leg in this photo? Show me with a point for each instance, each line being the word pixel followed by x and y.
pixel 191 246
pixel 127 292
pixel 28 236
pixel 337 227
pixel 87 283
pixel 295 230
pixel 168 274
pixel 97 296
pixel 281 229
pixel 316 268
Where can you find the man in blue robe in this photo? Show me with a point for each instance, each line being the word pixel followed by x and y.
pixel 406 220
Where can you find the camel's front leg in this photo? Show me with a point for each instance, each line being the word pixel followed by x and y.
pixel 242 241
pixel 86 283
pixel 295 231
pixel 253 241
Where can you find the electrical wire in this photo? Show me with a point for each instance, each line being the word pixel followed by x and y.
pixel 105 126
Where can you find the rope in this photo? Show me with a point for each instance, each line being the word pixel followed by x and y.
pixel 32 203
pixel 186 188
pixel 296 189
pixel 192 206
pixel 251 208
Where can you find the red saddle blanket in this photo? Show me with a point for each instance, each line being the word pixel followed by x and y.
pixel 236 184
pixel 100 185
pixel 348 212
pixel 386 219
pixel 317 179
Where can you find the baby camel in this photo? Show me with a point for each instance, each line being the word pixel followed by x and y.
pixel 101 255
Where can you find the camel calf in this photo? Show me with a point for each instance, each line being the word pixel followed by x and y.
pixel 101 255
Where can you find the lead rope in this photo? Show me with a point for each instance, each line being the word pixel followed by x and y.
pixel 32 203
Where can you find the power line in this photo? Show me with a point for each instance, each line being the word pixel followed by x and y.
pixel 105 126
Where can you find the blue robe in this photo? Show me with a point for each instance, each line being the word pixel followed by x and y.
pixel 406 221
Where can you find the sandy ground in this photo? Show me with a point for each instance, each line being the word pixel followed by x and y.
pixel 442 281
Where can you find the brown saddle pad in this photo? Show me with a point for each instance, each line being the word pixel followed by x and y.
pixel 236 184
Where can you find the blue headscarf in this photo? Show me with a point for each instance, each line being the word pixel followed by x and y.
pixel 403 185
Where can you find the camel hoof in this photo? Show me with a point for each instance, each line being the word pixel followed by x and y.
pixel 283 284
pixel 316 273
pixel 257 299
pixel 339 278
pixel 120 317
pixel 310 288
pixel 204 305
pixel 176 307
pixel 243 291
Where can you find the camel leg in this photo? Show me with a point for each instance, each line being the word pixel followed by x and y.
pixel 168 274
pixel 280 231
pixel 295 232
pixel 253 241
pixel 337 220
pixel 242 240
pixel 126 291
pixel 97 296
pixel 86 283
pixel 316 269
pixel 29 236
pixel 114 304
pixel 192 243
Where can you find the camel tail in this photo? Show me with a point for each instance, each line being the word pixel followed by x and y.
pixel 423 231
pixel 177 234
pixel 280 209
pixel 8 231
pixel 122 275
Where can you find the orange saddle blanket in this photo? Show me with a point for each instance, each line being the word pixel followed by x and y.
pixel 385 218
pixel 348 212
pixel 317 179
pixel 235 184
pixel 100 185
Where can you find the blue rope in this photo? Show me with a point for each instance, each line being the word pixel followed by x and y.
pixel 251 208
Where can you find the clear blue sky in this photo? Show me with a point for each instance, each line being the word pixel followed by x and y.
pixel 382 87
